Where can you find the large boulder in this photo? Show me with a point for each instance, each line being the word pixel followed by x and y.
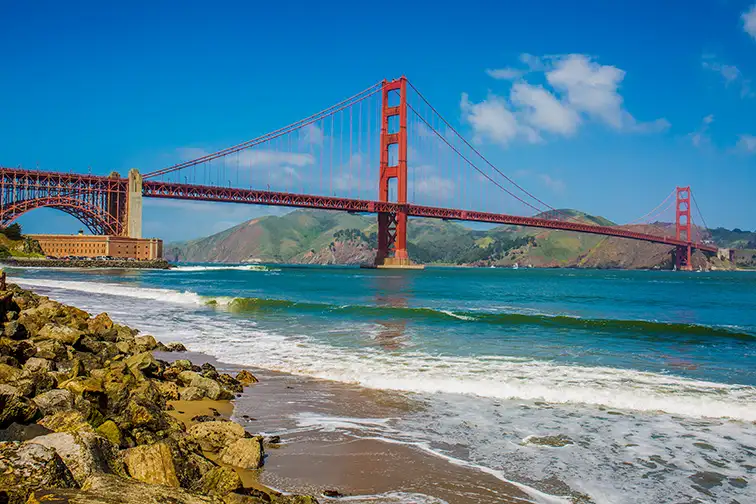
pixel 15 330
pixel 246 378
pixel 54 401
pixel 192 394
pixel 52 350
pixel 214 436
pixel 66 421
pixel 61 333
pixel 28 467
pixel 100 324
pixel 84 453
pixel 246 453
pixel 21 350
pixel 143 365
pixel 219 481
pixel 36 365
pixel 212 388
pixel 145 343
pixel 110 430
pixel 152 464
pixel 109 489
pixel 14 407
pixel 9 374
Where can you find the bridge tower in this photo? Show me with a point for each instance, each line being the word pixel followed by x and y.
pixel 683 229
pixel 392 227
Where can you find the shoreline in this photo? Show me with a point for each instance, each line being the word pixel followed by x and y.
pixel 159 264
pixel 313 457
pixel 106 409
pixel 87 417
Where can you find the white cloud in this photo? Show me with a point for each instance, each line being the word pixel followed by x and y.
pixel 543 110
pixel 253 158
pixel 747 143
pixel 730 73
pixel 749 21
pixel 436 186
pixel 700 137
pixel 591 88
pixel 491 119
pixel 505 73
pixel 580 89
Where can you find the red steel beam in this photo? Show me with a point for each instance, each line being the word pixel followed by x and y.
pixel 72 185
pixel 155 189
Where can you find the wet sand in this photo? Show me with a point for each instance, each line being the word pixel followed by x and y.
pixel 312 459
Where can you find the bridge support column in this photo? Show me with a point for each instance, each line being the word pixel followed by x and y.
pixel 392 227
pixel 683 229
pixel 134 205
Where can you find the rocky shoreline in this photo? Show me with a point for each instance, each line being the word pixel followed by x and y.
pixel 89 415
pixel 94 263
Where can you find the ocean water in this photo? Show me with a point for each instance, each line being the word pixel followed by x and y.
pixel 650 376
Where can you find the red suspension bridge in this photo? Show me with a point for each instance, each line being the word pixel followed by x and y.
pixel 331 160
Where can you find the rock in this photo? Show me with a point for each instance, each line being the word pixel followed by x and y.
pixel 9 360
pixel 124 347
pixel 63 334
pixel 100 324
pixel 207 418
pixel 143 364
pixel 175 346
pixel 246 378
pixel 246 453
pixel 168 390
pixel 86 387
pixel 15 408
pixel 230 383
pixel 109 430
pixel 9 374
pixel 21 350
pixel 84 453
pixel 214 436
pixel 36 364
pixel 274 440
pixel 25 387
pixel 15 330
pixel 90 345
pixel 52 350
pixel 192 394
pixel 187 377
pixel 54 401
pixel 19 432
pixel 218 481
pixel 152 464
pixel 66 421
pixel 183 364
pixel 557 441
pixel 110 489
pixel 145 343
pixel 28 467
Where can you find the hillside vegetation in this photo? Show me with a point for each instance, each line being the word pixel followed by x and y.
pixel 322 237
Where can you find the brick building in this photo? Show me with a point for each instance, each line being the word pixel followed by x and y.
pixel 82 245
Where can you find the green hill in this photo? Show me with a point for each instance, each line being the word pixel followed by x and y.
pixel 323 237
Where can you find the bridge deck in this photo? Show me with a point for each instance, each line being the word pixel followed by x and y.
pixel 157 189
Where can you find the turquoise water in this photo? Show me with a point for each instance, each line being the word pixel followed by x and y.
pixel 635 367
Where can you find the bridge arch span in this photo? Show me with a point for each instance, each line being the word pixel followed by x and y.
pixel 95 218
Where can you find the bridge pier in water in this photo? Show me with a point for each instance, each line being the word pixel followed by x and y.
pixel 683 230
pixel 392 227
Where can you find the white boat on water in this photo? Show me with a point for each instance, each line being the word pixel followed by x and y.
pixel 515 266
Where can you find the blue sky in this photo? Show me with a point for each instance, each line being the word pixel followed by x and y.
pixel 601 106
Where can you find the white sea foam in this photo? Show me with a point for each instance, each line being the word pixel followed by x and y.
pixel 114 289
pixel 487 404
pixel 488 376
pixel 245 267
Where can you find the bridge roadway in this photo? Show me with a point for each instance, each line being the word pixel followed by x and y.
pixel 172 190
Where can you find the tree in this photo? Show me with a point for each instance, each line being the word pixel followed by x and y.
pixel 13 231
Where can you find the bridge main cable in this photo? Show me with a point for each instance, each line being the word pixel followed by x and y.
pixel 375 88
